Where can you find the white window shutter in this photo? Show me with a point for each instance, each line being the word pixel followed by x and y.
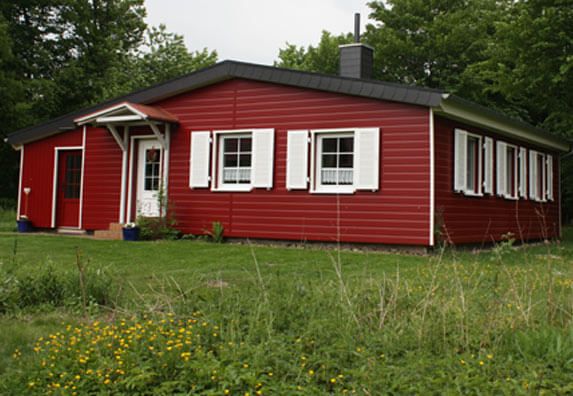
pixel 199 160
pixel 533 174
pixel 460 162
pixel 488 158
pixel 366 158
pixel 263 158
pixel 501 168
pixel 297 160
pixel 550 177
pixel 522 172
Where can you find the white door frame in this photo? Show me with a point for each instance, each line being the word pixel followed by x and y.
pixel 131 171
pixel 141 195
pixel 55 183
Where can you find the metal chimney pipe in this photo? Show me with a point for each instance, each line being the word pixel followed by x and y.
pixel 357 27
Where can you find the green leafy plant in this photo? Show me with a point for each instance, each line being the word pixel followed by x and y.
pixel 216 233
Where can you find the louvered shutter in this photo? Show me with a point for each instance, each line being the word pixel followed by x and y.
pixel 501 168
pixel 488 167
pixel 366 158
pixel 533 174
pixel 522 172
pixel 199 160
pixel 297 160
pixel 549 177
pixel 460 162
pixel 263 158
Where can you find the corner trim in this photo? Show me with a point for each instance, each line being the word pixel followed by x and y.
pixel 432 178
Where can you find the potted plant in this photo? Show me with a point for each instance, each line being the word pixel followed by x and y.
pixel 24 224
pixel 130 232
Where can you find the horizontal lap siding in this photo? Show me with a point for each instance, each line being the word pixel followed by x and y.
pixel 102 174
pixel 396 214
pixel 487 218
pixel 38 175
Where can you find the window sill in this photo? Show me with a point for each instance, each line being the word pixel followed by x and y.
pixel 348 191
pixel 472 194
pixel 237 188
pixel 509 198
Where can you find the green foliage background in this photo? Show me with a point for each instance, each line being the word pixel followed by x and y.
pixel 57 56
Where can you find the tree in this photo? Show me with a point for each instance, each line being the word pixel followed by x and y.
pixel 57 56
pixel 165 56
pixel 323 58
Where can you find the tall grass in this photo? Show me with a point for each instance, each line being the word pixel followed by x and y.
pixel 461 323
pixel 7 219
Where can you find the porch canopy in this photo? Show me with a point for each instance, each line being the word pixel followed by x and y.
pixel 127 114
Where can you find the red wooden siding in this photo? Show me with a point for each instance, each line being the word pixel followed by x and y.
pixel 102 179
pixel 396 214
pixel 38 174
pixel 487 218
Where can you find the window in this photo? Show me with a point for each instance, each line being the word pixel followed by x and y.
pixel 342 161
pixel 507 166
pixel 72 185
pixel 336 160
pixel 232 160
pixel 152 169
pixel 236 154
pixel 540 176
pixel 522 165
pixel 468 159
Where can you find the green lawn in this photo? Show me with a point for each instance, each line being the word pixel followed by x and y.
pixel 320 320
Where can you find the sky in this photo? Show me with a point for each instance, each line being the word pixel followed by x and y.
pixel 254 30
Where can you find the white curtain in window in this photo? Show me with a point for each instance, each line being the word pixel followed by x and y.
pixel 533 174
pixel 550 177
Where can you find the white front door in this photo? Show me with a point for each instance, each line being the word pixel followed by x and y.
pixel 149 171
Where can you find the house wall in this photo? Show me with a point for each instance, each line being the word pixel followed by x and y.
pixel 398 213
pixel 38 175
pixel 485 219
pixel 102 179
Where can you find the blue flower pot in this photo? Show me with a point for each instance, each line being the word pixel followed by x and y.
pixel 131 234
pixel 24 225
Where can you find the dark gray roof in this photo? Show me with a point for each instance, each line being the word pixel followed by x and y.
pixel 227 70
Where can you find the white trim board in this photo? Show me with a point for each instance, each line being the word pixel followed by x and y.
pixel 130 176
pixel 84 137
pixel 432 177
pixel 21 171
pixel 57 150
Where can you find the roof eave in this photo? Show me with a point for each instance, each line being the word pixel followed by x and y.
pixel 462 110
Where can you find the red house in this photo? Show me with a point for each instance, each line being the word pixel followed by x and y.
pixel 289 155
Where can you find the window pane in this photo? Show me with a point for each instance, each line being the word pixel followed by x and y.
pixel 345 176
pixel 471 165
pixel 346 145
pixel 245 160
pixel 246 144
pixel 230 160
pixel 230 175
pixel 346 161
pixel 328 176
pixel 329 160
pixel 329 145
pixel 510 171
pixel 231 145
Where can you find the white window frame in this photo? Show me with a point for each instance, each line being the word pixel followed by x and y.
pixel 217 163
pixel 534 174
pixel 505 194
pixel 332 188
pixel 463 134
